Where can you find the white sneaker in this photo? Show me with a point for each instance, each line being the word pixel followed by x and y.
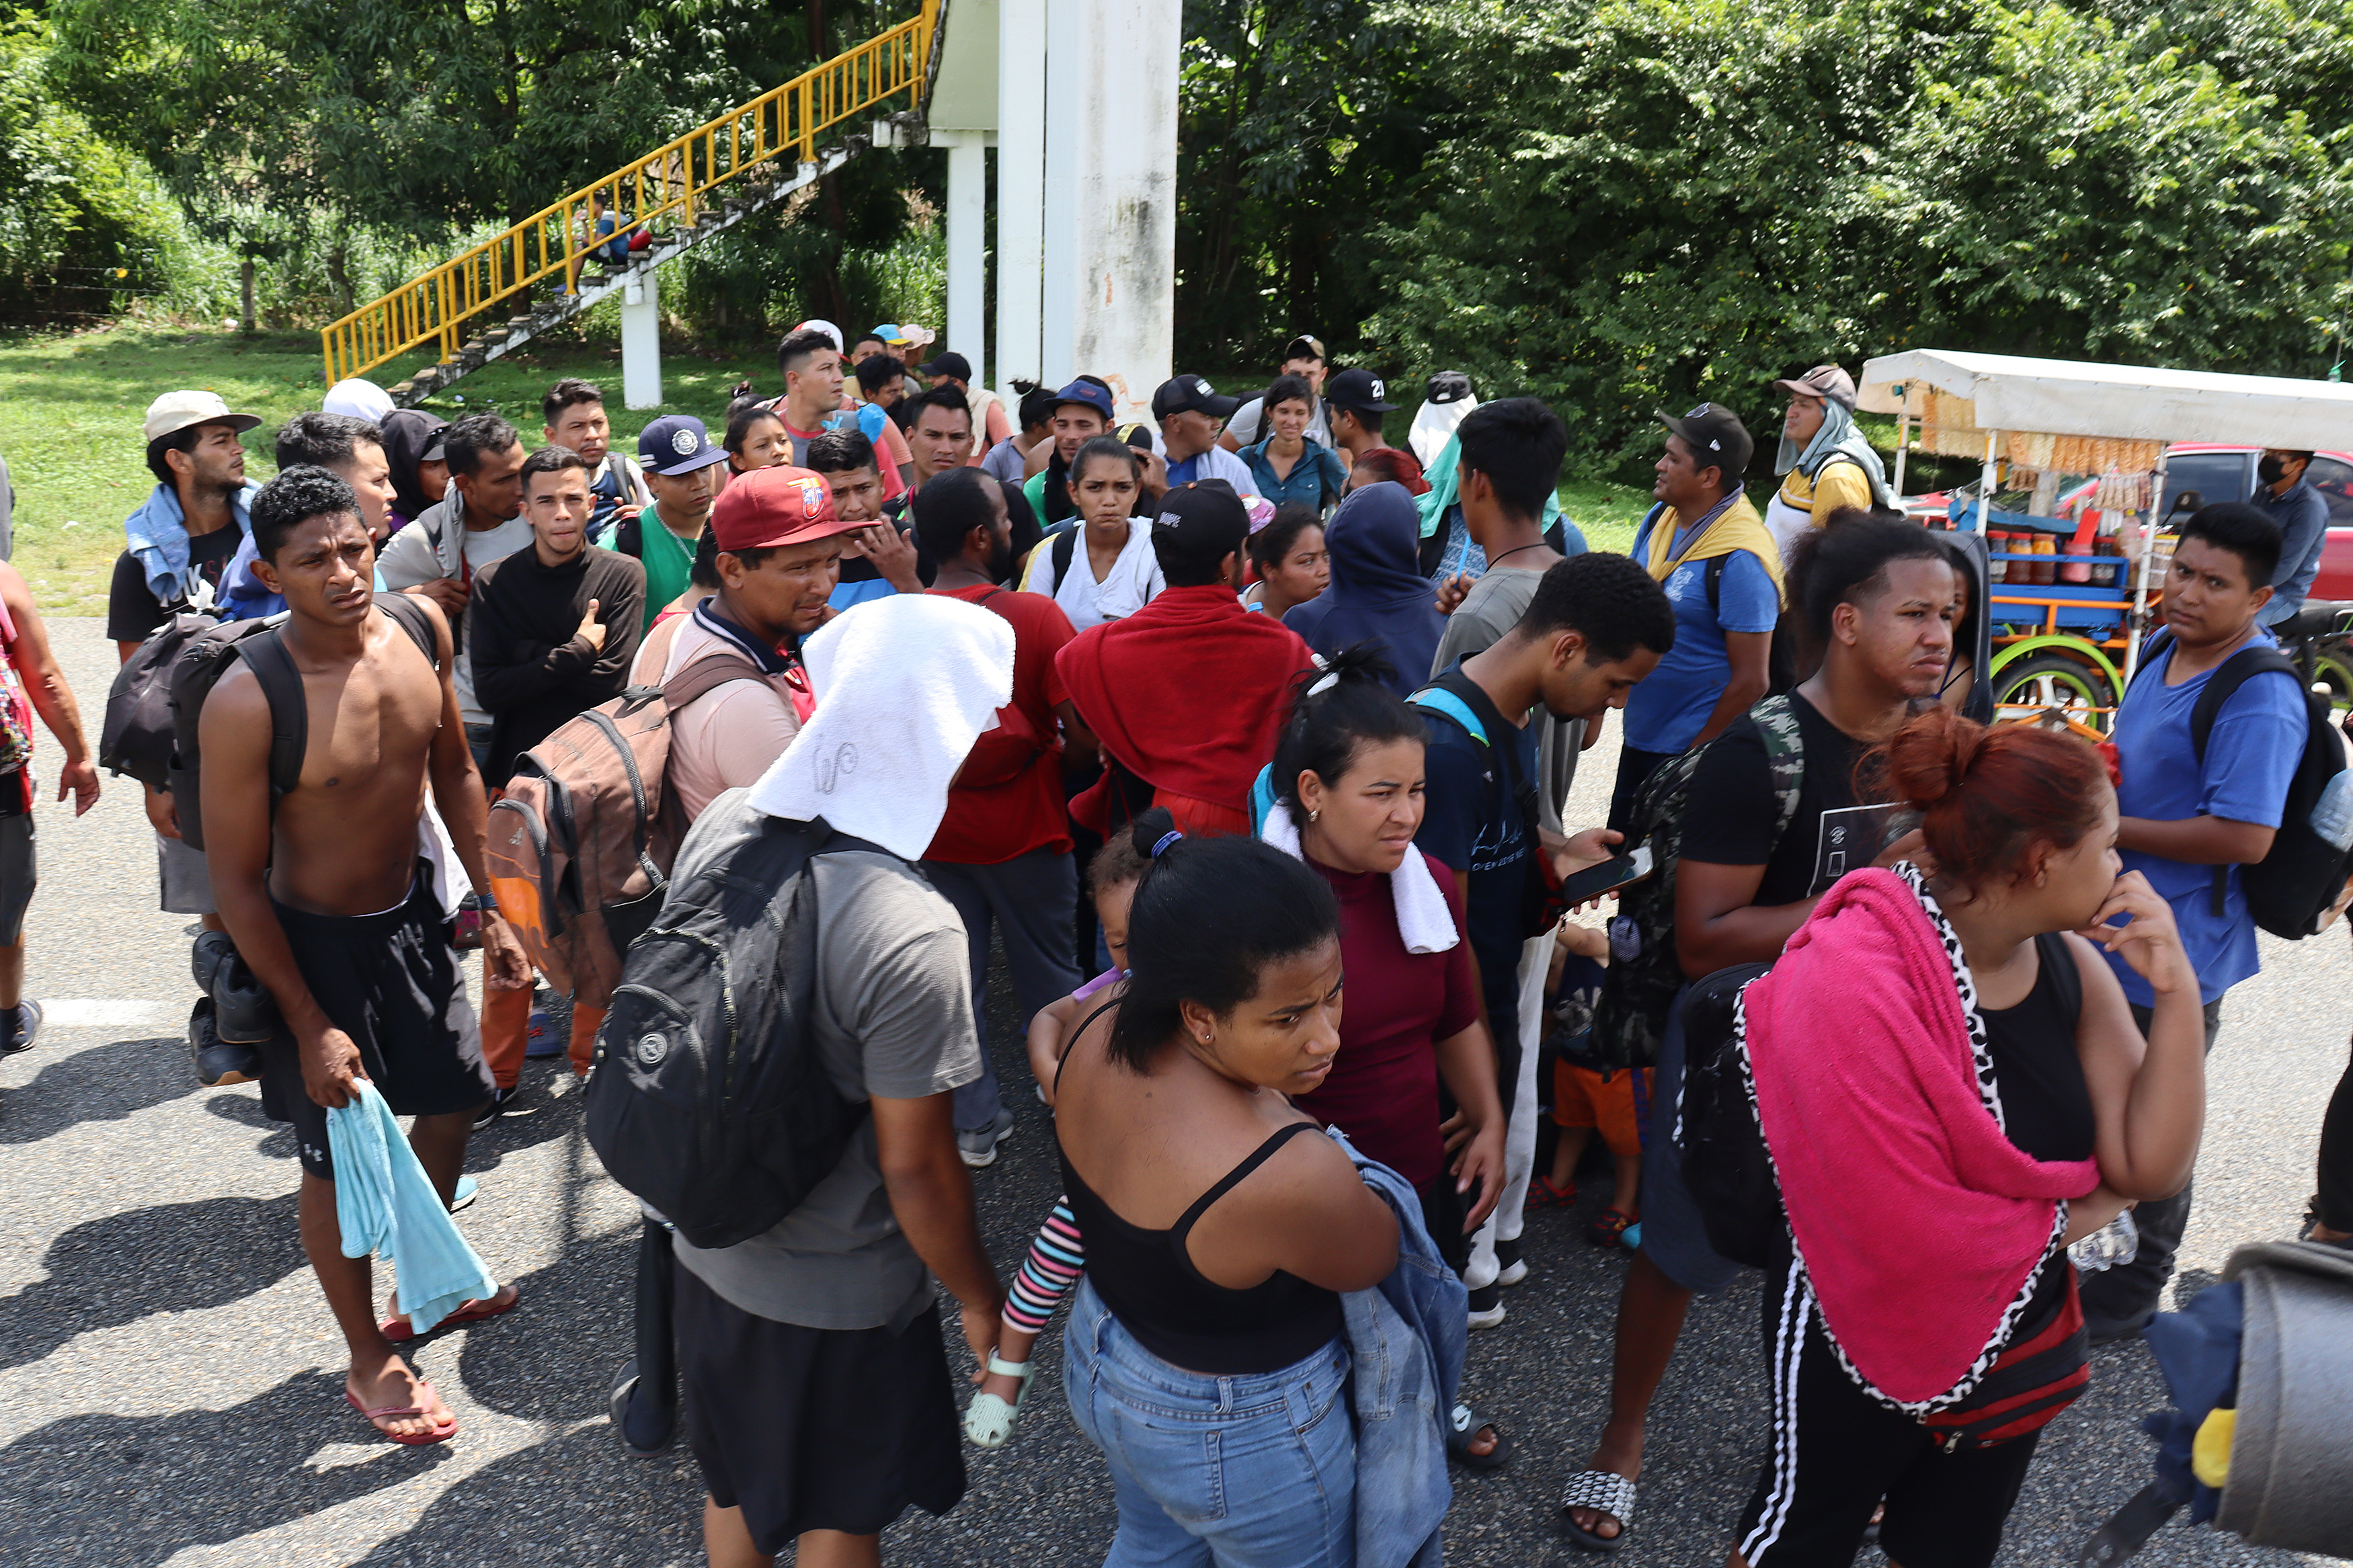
pixel 1514 1273
pixel 1487 1312
pixel 980 1147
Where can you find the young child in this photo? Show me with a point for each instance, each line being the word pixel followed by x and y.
pixel 1057 1256
pixel 1584 1099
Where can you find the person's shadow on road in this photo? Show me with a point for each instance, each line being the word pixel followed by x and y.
pixel 102 1083
pixel 171 1258
pixel 138 1490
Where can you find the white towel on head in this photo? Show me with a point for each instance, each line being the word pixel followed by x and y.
pixel 359 398
pixel 904 687
pixel 1423 919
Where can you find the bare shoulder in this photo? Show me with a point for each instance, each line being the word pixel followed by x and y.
pixel 1306 1178
pixel 236 710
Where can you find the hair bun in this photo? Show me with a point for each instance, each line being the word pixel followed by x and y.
pixel 1930 756
pixel 1154 832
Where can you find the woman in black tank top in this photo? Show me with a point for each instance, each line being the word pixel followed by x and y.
pixel 1205 1356
pixel 2020 826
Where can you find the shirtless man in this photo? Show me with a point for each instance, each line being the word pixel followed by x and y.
pixel 326 901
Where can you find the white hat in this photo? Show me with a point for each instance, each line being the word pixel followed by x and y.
pixel 359 398
pixel 176 411
pixel 919 336
pixel 815 324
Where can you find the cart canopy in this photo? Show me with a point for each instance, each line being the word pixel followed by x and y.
pixel 2115 402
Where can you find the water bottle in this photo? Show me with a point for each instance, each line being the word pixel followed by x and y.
pixel 2114 1242
pixel 2332 817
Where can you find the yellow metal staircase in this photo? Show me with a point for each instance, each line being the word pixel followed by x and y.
pixel 465 312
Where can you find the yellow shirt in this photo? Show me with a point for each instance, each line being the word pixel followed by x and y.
pixel 1802 503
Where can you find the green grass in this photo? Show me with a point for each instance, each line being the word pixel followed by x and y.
pixel 70 405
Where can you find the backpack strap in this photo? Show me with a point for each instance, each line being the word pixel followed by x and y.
pixel 1784 759
pixel 629 537
pixel 1716 587
pixel 705 674
pixel 409 615
pixel 290 713
pixel 2220 686
pixel 1438 699
pixel 1065 550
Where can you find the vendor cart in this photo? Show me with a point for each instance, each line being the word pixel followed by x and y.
pixel 2071 596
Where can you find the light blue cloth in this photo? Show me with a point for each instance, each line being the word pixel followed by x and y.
pixel 1444 492
pixel 157 533
pixel 1406 1341
pixel 1837 438
pixel 385 1204
pixel 243 596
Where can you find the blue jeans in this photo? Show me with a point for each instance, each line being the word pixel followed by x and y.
pixel 1256 1471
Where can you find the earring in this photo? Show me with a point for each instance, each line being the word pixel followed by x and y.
pixel 1317 812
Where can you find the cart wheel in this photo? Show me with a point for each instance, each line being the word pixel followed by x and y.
pixel 2332 675
pixel 2053 680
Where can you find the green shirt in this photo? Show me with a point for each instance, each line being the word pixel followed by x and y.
pixel 668 561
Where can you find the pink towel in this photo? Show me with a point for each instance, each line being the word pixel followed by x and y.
pixel 1919 1225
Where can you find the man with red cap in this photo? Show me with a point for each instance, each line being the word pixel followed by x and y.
pixel 779 556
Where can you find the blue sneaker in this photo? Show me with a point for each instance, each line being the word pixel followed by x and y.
pixel 540 1041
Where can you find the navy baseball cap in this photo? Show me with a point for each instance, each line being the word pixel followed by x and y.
pixel 1360 390
pixel 1088 393
pixel 677 444
pixel 1185 394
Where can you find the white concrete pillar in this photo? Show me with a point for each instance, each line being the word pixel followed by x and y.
pixel 967 330
pixel 1020 190
pixel 641 386
pixel 1111 194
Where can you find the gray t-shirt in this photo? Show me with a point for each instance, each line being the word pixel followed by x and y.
pixel 893 1018
pixel 1494 606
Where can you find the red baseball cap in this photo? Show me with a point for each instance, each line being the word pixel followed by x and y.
pixel 775 506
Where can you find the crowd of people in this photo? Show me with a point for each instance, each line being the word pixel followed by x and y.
pixel 1246 738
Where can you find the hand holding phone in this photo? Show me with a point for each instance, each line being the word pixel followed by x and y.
pixel 1595 882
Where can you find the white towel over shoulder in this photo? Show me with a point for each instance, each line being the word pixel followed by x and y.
pixel 1423 919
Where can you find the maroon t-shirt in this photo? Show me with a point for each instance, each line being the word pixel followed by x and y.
pixel 1396 1008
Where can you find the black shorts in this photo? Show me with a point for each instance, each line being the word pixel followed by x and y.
pixel 19 873
pixel 391 983
pixel 1836 1452
pixel 816 1429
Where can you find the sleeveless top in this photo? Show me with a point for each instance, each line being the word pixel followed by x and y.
pixel 1147 1279
pixel 2046 1107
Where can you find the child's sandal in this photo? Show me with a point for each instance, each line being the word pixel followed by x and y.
pixel 988 1420
pixel 1543 1194
pixel 1614 1229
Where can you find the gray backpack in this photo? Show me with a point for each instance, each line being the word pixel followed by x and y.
pixel 708 1098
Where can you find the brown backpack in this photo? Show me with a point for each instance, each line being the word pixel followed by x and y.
pixel 582 841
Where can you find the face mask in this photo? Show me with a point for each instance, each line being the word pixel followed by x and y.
pixel 2270 470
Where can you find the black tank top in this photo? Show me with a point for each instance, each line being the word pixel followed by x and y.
pixel 2046 1107
pixel 1147 1279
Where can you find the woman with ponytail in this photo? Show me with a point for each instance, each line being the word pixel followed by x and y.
pixel 1205 1352
pixel 1952 1090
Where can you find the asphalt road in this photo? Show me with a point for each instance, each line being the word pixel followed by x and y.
pixel 170 1383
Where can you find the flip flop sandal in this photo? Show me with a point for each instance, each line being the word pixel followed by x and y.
pixel 624 1391
pixel 2128 1530
pixel 389 1411
pixel 1463 1429
pixel 1611 1229
pixel 1543 1194
pixel 1605 1492
pixel 397 1330
pixel 988 1420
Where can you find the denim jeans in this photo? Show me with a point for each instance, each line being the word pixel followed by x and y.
pixel 1256 1471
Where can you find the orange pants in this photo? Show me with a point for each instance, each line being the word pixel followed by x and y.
pixel 1617 1105
pixel 506 1028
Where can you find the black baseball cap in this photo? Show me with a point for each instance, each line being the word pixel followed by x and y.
pixel 1716 437
pixel 950 364
pixel 1358 390
pixel 1448 387
pixel 1207 512
pixel 1188 394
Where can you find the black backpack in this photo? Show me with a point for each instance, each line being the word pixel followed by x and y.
pixel 709 1100
pixel 1645 970
pixel 157 700
pixel 2293 887
pixel 1724 1159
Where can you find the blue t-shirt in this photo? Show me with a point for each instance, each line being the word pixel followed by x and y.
pixel 846 595
pixel 872 418
pixel 1669 709
pixel 1471 821
pixel 2257 740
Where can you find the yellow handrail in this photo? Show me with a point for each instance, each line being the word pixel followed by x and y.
pixel 673 182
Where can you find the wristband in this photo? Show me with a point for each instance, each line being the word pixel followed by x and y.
pixel 487 903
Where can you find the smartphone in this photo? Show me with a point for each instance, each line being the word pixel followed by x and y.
pixel 1608 877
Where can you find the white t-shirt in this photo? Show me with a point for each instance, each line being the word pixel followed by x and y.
pixel 408 560
pixel 1133 579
